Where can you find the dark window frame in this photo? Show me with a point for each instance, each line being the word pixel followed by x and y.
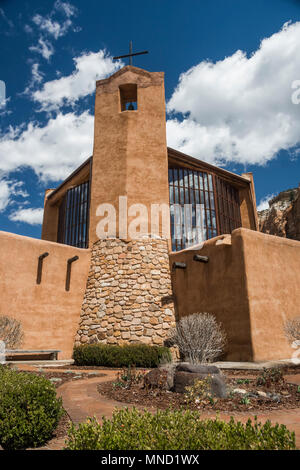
pixel 191 186
pixel 229 206
pixel 73 220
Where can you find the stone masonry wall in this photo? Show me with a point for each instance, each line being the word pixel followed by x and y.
pixel 128 296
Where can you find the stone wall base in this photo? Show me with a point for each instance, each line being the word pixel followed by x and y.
pixel 128 296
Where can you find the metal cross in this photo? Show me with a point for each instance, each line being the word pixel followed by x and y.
pixel 130 55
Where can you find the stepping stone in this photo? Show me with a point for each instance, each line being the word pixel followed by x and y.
pixel 241 391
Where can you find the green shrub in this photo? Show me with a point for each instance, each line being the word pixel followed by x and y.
pixel 140 355
pixel 29 409
pixel 268 377
pixel 175 430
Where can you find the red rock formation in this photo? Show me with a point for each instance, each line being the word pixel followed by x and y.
pixel 283 216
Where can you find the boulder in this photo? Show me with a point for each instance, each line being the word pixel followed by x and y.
pixel 157 378
pixel 197 368
pixel 170 369
pixel 184 379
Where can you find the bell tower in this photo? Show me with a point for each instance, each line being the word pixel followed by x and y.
pixel 130 150
pixel 129 294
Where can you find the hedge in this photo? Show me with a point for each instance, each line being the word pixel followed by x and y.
pixel 140 355
pixel 29 409
pixel 176 430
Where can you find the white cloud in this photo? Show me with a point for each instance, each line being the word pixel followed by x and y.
pixel 89 67
pixel 52 27
pixel 239 109
pixel 51 151
pixel 264 202
pixel 66 7
pixel 44 48
pixel 37 76
pixel 55 149
pixel 27 216
pixel 9 189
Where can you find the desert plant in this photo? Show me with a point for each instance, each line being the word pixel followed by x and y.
pixel 267 377
pixel 128 377
pixel 176 430
pixel 111 355
pixel 199 337
pixel 292 329
pixel 10 332
pixel 200 391
pixel 29 409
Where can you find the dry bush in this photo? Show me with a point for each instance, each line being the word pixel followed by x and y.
pixel 10 332
pixel 292 329
pixel 199 337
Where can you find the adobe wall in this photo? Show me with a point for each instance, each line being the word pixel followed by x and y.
pixel 50 219
pixel 217 287
pixel 49 314
pixel 128 296
pixel 273 277
pixel 251 284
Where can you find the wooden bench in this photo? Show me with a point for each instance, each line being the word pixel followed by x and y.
pixel 31 354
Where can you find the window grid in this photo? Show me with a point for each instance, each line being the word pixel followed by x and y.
pixel 73 217
pixel 229 206
pixel 192 207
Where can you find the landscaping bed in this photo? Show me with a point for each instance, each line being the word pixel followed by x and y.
pixel 255 397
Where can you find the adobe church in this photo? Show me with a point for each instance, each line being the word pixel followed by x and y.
pixel 89 280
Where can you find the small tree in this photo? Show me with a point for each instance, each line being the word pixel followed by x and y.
pixel 199 338
pixel 10 332
pixel 292 329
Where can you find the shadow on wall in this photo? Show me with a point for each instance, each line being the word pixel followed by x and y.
pixel 250 283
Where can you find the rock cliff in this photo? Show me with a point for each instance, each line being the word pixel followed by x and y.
pixel 282 218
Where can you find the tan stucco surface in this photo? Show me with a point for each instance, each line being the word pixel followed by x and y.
pixel 273 284
pixel 130 150
pixel 216 287
pixel 49 315
pixel 251 284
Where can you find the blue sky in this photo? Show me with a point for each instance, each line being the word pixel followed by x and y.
pixel 229 68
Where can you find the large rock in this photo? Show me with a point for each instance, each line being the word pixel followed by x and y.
pixel 157 378
pixel 197 368
pixel 184 379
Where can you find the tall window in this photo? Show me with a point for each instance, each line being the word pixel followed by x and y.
pixel 74 216
pixel 229 206
pixel 202 206
pixel 192 207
